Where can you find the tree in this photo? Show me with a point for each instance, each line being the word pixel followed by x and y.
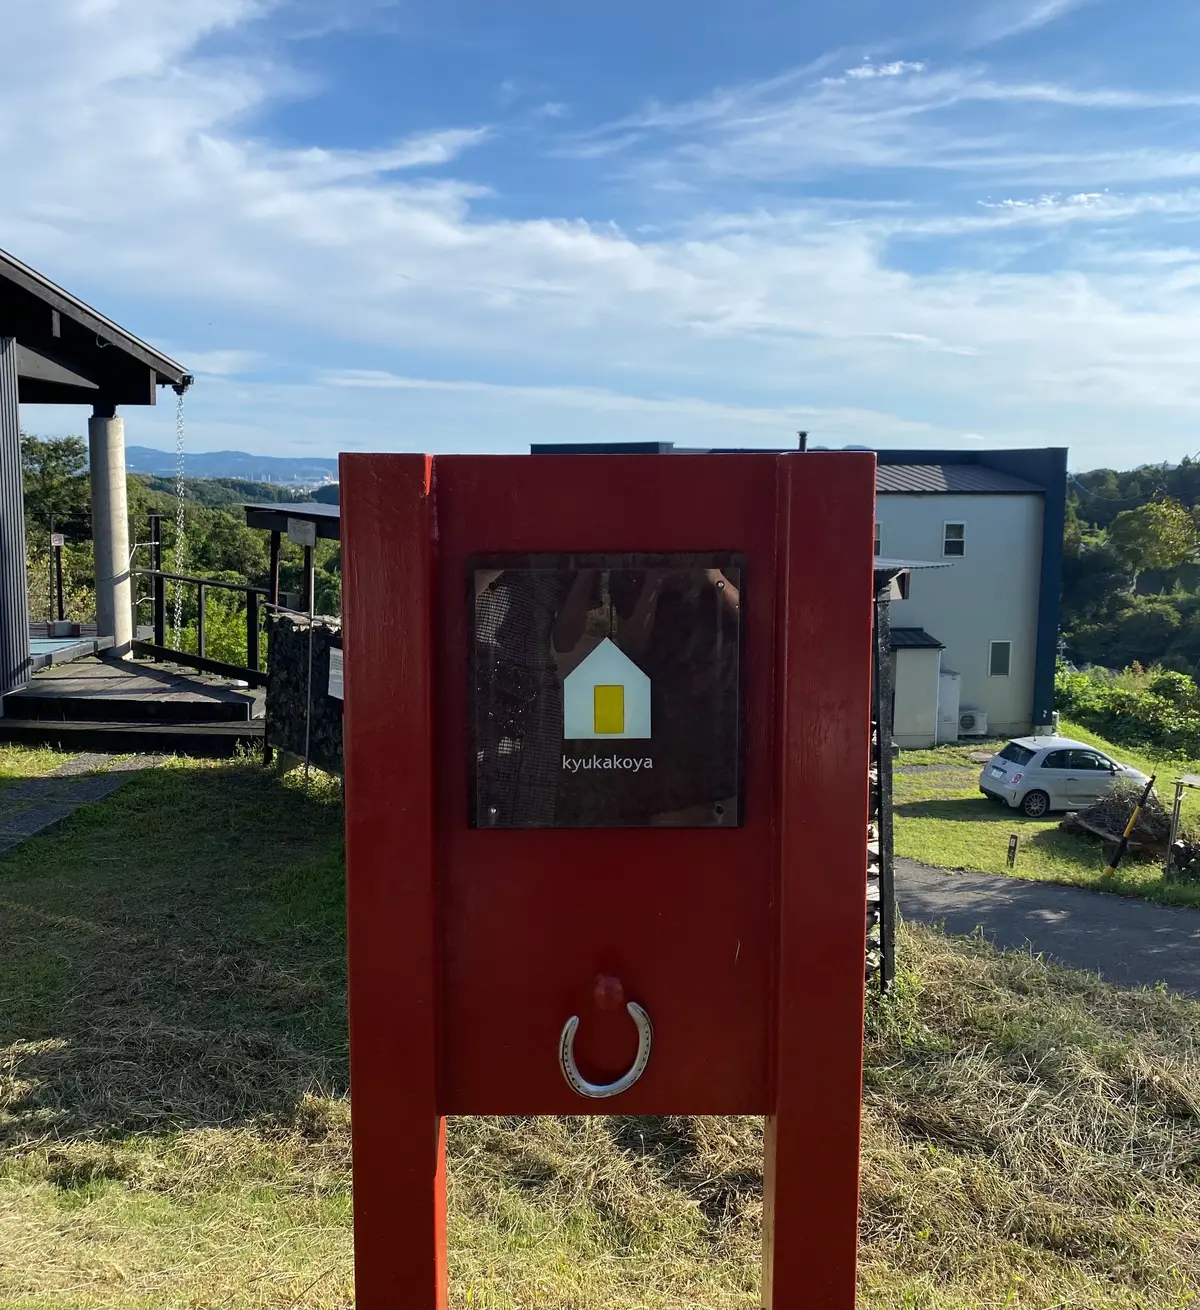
pixel 1160 535
pixel 55 476
pixel 1093 574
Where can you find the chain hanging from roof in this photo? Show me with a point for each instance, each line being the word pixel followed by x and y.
pixel 180 495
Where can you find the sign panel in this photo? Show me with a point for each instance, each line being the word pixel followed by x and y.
pixel 606 691
pixel 57 539
pixel 302 532
pixel 335 673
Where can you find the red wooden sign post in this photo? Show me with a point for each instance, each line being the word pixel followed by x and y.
pixel 606 743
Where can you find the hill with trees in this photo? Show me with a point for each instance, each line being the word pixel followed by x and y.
pixel 217 542
pixel 1131 581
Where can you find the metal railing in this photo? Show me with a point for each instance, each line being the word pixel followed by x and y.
pixel 250 672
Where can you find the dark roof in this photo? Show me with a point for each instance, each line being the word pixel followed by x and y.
pixel 885 565
pixel 914 639
pixel 969 479
pixel 273 517
pixel 68 353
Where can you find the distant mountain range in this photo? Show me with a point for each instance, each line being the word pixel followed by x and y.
pixel 231 464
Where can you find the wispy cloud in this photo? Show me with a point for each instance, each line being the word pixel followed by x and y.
pixel 146 175
pixel 1006 18
pixel 900 115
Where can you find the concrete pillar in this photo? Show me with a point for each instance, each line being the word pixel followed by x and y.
pixel 110 528
pixel 14 598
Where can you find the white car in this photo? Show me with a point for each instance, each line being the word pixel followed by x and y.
pixel 1040 774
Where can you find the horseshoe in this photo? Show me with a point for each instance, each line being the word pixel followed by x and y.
pixel 566 1056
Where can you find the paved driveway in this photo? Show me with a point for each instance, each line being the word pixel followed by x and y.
pixel 1128 942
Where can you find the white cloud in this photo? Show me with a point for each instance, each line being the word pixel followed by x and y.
pixel 144 177
pixel 897 68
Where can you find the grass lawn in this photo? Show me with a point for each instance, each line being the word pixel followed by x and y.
pixel 174 1117
pixel 942 819
pixel 18 762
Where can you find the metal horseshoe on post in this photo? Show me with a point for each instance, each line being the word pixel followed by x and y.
pixel 566 1056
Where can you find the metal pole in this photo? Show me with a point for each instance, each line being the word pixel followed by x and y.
pixel 308 706
pixel 200 621
pixel 1176 809
pixel 58 550
pixel 50 594
pixel 159 582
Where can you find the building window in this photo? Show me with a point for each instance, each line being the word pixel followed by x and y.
pixel 1000 659
pixel 877 539
pixel 954 538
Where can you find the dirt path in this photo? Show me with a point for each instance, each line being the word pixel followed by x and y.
pixel 1128 942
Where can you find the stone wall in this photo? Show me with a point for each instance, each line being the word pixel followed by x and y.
pixel 287 688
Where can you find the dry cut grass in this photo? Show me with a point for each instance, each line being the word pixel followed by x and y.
pixel 174 1128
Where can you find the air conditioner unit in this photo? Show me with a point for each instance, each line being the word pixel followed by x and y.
pixel 972 723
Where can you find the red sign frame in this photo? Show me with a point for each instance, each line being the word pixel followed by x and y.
pixel 468 948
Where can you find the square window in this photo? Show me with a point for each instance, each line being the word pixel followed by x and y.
pixel 954 538
pixel 1000 659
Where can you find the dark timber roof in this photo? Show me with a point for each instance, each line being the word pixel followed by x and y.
pixel 914 639
pixel 69 354
pixel 273 517
pixel 969 479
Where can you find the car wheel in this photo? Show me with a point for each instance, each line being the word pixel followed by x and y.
pixel 1035 804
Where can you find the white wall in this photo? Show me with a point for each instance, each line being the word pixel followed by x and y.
pixel 988 594
pixel 916 674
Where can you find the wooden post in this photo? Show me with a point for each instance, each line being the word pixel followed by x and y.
pixel 810 1198
pixel 252 629
pixel 307 599
pixel 273 579
pixel 399 1192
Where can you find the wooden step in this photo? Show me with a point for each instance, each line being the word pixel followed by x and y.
pixel 207 740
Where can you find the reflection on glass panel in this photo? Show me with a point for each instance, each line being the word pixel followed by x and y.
pixel 606 691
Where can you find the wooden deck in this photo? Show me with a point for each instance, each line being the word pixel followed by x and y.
pixel 100 703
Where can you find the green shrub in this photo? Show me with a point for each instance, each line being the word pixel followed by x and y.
pixel 1155 707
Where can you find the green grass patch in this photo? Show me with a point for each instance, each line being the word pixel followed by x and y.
pixel 942 819
pixel 174 1117
pixel 19 762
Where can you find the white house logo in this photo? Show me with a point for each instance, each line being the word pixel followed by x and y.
pixel 607 697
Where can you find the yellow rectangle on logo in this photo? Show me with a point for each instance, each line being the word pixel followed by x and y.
pixel 609 709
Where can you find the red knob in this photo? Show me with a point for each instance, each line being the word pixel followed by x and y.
pixel 608 992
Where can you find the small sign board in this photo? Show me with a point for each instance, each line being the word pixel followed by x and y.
pixel 335 673
pixel 1014 847
pixel 302 532
pixel 57 539
pixel 607 691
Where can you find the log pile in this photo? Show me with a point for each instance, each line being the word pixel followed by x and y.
pixel 287 689
pixel 1106 818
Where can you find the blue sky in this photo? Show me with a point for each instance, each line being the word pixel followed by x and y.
pixel 462 225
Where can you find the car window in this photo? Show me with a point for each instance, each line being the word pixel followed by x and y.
pixel 1057 760
pixel 1017 754
pixel 1088 760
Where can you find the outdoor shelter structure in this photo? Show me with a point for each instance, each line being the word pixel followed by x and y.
pixel 56 350
pixel 275 518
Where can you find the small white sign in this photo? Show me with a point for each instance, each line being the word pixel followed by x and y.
pixel 335 673
pixel 57 539
pixel 302 532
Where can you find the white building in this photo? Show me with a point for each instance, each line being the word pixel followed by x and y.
pixel 974 642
